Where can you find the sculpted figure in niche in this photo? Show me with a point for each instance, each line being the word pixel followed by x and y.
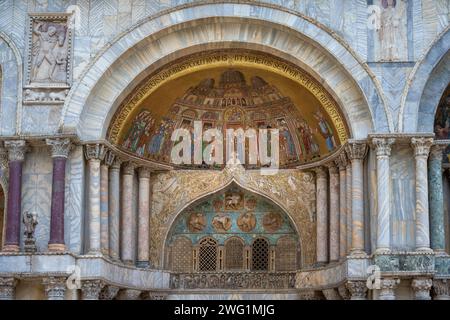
pixel 50 52
pixel 222 223
pixel 392 33
pixel 246 222
pixel 196 222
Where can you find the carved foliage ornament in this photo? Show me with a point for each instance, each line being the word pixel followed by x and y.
pixel 16 150
pixel 383 146
pixel 421 146
pixel 59 147
pixel 356 150
pixel 94 151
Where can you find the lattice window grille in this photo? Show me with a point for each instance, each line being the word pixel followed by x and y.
pixel 260 255
pixel 207 256
pixel 234 254
pixel 286 254
pixel 220 258
pixel 181 259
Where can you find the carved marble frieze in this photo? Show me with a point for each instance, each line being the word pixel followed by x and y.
pixel 233 280
pixel 408 263
pixel 49 64
pixel 292 190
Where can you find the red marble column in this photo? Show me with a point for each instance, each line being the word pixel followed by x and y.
pixel 60 149
pixel 16 155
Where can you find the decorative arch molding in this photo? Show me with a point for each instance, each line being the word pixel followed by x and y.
pixel 427 82
pixel 121 65
pixel 11 94
pixel 292 191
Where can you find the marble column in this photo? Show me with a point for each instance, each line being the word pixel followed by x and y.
pixel 143 218
pixel 387 288
pixel 114 209
pixel 421 288
pixel 421 150
pixel 55 288
pixel 16 155
pixel 441 289
pixel 60 149
pixel 357 289
pixel 90 289
pixel 356 151
pixel 7 288
pixel 322 215
pixel 128 242
pixel 334 212
pixel 436 198
pixel 383 151
pixel 342 163
pixel 104 202
pixel 348 175
pixel 95 153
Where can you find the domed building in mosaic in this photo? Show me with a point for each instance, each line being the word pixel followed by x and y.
pixel 225 150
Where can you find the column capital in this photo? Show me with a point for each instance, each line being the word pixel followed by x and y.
pixel 383 146
pixel 343 292
pixel 129 294
pixel 332 167
pixel 94 151
pixel 421 146
pixel 341 161
pixel 356 150
pixel 16 149
pixel 357 289
pixel 387 288
pixel 437 151
pixel 116 163
pixel 59 147
pixel 55 287
pixel 3 158
pixel 320 172
pixel 110 158
pixel 128 168
pixel 144 173
pixel 108 292
pixel 91 289
pixel 421 288
pixel 7 288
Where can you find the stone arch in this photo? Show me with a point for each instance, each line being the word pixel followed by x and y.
pixel 121 65
pixel 427 82
pixel 11 94
pixel 172 216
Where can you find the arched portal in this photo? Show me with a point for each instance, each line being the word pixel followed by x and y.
pixel 232 230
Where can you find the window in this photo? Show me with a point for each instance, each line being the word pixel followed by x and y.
pixel 207 255
pixel 234 254
pixel 285 254
pixel 260 255
pixel 181 257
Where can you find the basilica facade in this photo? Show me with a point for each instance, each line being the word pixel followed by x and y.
pixel 276 149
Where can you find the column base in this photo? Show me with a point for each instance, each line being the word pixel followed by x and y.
pixel 424 250
pixel 11 248
pixel 56 247
pixel 440 253
pixel 358 253
pixel 381 251
pixel 142 264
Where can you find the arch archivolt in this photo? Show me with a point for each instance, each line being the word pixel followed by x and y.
pixel 293 191
pixel 152 43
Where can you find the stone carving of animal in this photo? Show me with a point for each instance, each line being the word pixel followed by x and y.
pixel 58 96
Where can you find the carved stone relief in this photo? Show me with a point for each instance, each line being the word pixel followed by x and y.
pixel 48 77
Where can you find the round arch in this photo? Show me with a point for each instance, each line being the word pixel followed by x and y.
pixel 123 64
pixel 279 206
pixel 427 83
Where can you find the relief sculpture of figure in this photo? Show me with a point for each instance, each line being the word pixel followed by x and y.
pixel 390 32
pixel 48 48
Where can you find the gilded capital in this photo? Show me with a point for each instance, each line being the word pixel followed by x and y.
pixel 421 146
pixel 94 151
pixel 16 149
pixel 59 147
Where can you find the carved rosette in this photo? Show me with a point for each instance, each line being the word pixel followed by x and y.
pixel 421 146
pixel 110 158
pixel 94 151
pixel 383 146
pixel 108 292
pixel 59 148
pixel 421 288
pixel 129 294
pixel 357 289
pixel 441 290
pixel 16 150
pixel 7 288
pixel 55 288
pixel 91 289
pixel 356 150
pixel 387 289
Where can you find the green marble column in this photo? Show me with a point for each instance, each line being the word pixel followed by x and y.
pixel 436 199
